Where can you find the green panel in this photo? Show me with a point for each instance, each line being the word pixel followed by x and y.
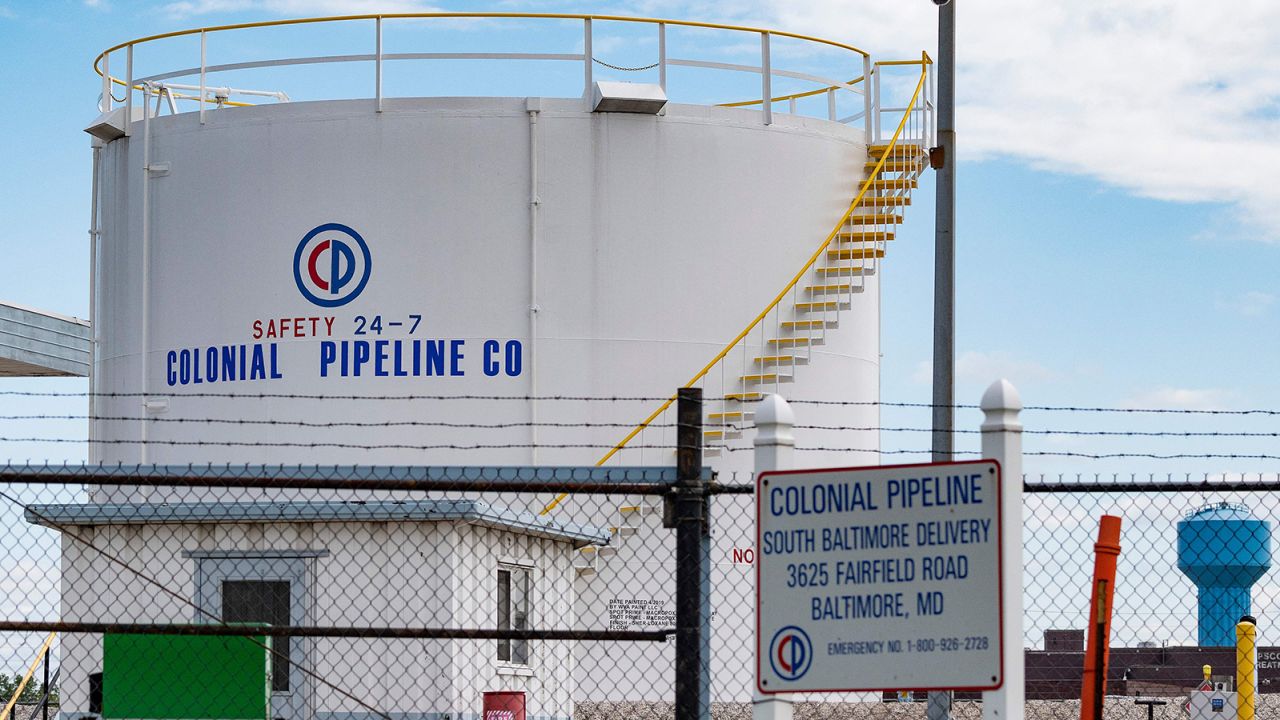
pixel 185 677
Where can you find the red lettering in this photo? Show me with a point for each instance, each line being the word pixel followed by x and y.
pixel 328 326
pixel 743 556
pixel 257 329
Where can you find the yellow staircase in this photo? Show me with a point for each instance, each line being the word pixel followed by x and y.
pixel 766 355
pixel 817 303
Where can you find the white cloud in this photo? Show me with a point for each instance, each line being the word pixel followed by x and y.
pixel 984 368
pixel 1249 304
pixel 1169 100
pixel 298 8
pixel 1179 398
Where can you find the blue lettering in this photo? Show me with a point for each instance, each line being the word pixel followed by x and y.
pixel 399 366
pixel 275 368
pixel 515 357
pixel 491 366
pixel 435 357
pixel 380 358
pixel 229 362
pixel 171 375
pixel 257 366
pixel 211 365
pixel 328 353
pixel 455 358
pixel 360 356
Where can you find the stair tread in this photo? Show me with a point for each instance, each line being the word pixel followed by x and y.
pixel 855 253
pixel 897 165
pixel 900 150
pixel 762 377
pixel 820 305
pixel 893 183
pixel 862 236
pixel 886 200
pixel 874 219
pixel 789 324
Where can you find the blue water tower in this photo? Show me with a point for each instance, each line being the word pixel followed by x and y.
pixel 1224 549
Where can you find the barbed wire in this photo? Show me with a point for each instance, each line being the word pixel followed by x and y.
pixel 597 424
pixel 339 423
pixel 610 446
pixel 337 445
pixel 633 398
pixel 328 396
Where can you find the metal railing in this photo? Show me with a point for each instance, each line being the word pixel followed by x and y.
pixel 155 85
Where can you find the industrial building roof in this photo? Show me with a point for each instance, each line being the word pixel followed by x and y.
pixel 474 512
pixel 37 343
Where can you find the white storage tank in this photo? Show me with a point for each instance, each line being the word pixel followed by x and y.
pixel 461 257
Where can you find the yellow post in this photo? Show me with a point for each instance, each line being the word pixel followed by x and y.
pixel 1208 672
pixel 1246 667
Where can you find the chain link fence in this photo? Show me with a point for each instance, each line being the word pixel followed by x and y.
pixel 407 604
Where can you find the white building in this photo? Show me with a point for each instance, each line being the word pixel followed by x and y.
pixel 431 564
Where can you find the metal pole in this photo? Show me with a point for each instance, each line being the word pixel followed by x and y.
pixel 586 60
pixel 46 683
pixel 944 274
pixel 944 244
pixel 377 64
pixel 203 70
pixel 662 56
pixel 766 79
pixel 1246 668
pixel 693 597
pixel 105 103
pixel 128 92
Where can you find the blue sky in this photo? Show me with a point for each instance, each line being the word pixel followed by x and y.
pixel 1118 229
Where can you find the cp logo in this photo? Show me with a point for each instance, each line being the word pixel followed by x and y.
pixel 790 653
pixel 331 265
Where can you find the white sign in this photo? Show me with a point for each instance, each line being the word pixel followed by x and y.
pixel 879 578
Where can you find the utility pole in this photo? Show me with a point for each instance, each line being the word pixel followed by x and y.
pixel 943 159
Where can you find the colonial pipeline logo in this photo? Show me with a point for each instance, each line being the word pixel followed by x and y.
pixel 331 265
pixel 790 653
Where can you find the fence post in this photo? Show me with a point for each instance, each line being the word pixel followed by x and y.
pixel 775 443
pixel 1002 441
pixel 693 566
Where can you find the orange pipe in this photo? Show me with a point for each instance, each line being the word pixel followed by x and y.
pixel 1093 688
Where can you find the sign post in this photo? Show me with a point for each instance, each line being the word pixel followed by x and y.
pixel 880 578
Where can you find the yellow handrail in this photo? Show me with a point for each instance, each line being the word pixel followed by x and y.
pixel 924 60
pixel 472 15
pixel 795 96
pixel 27 678
pixel 866 185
